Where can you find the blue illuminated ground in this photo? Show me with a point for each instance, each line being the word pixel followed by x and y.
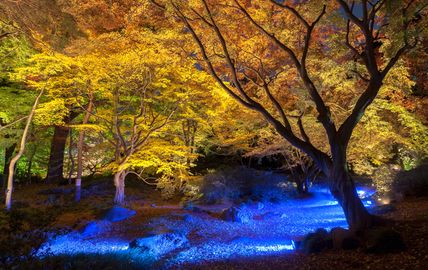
pixel 272 229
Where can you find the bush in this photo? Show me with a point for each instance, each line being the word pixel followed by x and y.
pixel 317 241
pixel 23 231
pixel 413 182
pixel 225 185
pixel 383 179
pixel 241 183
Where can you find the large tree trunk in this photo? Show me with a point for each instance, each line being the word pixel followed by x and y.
pixel 343 189
pixel 56 157
pixel 7 157
pixel 119 182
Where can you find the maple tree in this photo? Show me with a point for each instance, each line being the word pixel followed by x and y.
pixel 126 76
pixel 233 62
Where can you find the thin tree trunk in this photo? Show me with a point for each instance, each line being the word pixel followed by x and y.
pixel 19 154
pixel 70 157
pixel 30 163
pixel 119 182
pixel 7 157
pixel 80 152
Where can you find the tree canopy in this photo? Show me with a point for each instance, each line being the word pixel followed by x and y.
pixel 152 87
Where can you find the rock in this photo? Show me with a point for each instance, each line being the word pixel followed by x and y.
pixel 188 206
pixel 199 210
pixel 117 213
pixel 235 214
pixel 337 235
pixel 270 215
pixel 384 240
pixel 260 206
pixel 159 244
pixel 53 199
pixel 191 207
pixel 95 227
pixel 343 239
pixel 188 218
pixel 316 242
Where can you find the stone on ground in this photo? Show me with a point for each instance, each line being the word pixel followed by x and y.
pixel 117 213
pixel 236 214
pixel 159 244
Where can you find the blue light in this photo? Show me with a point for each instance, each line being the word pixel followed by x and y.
pixel 361 193
pixel 270 230
pixel 365 192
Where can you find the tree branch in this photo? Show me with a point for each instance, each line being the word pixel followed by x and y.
pixel 13 123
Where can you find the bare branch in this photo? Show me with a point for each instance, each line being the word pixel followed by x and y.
pixel 293 10
pixel 13 123
pixel 157 4
pixel 139 175
pixel 281 45
pixel 207 60
pixel 302 129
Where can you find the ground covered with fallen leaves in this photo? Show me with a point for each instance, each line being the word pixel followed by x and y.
pixel 410 219
pixel 409 216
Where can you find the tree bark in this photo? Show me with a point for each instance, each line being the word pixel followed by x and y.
pixel 332 164
pixel 70 157
pixel 80 144
pixel 56 157
pixel 343 189
pixel 30 163
pixel 7 157
pixel 119 182
pixel 18 155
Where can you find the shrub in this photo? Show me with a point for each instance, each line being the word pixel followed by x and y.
pixel 23 232
pixel 225 185
pixel 240 183
pixel 383 179
pixel 413 182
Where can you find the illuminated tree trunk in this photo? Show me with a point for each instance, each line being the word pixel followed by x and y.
pixel 343 189
pixel 119 182
pixel 18 155
pixel 80 152
pixel 333 163
pixel 70 157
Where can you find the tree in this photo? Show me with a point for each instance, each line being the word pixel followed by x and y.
pixel 361 35
pixel 80 144
pixel 18 155
pixel 140 96
pixel 14 52
pixel 301 169
pixel 61 76
pixel 42 22
pixel 56 157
